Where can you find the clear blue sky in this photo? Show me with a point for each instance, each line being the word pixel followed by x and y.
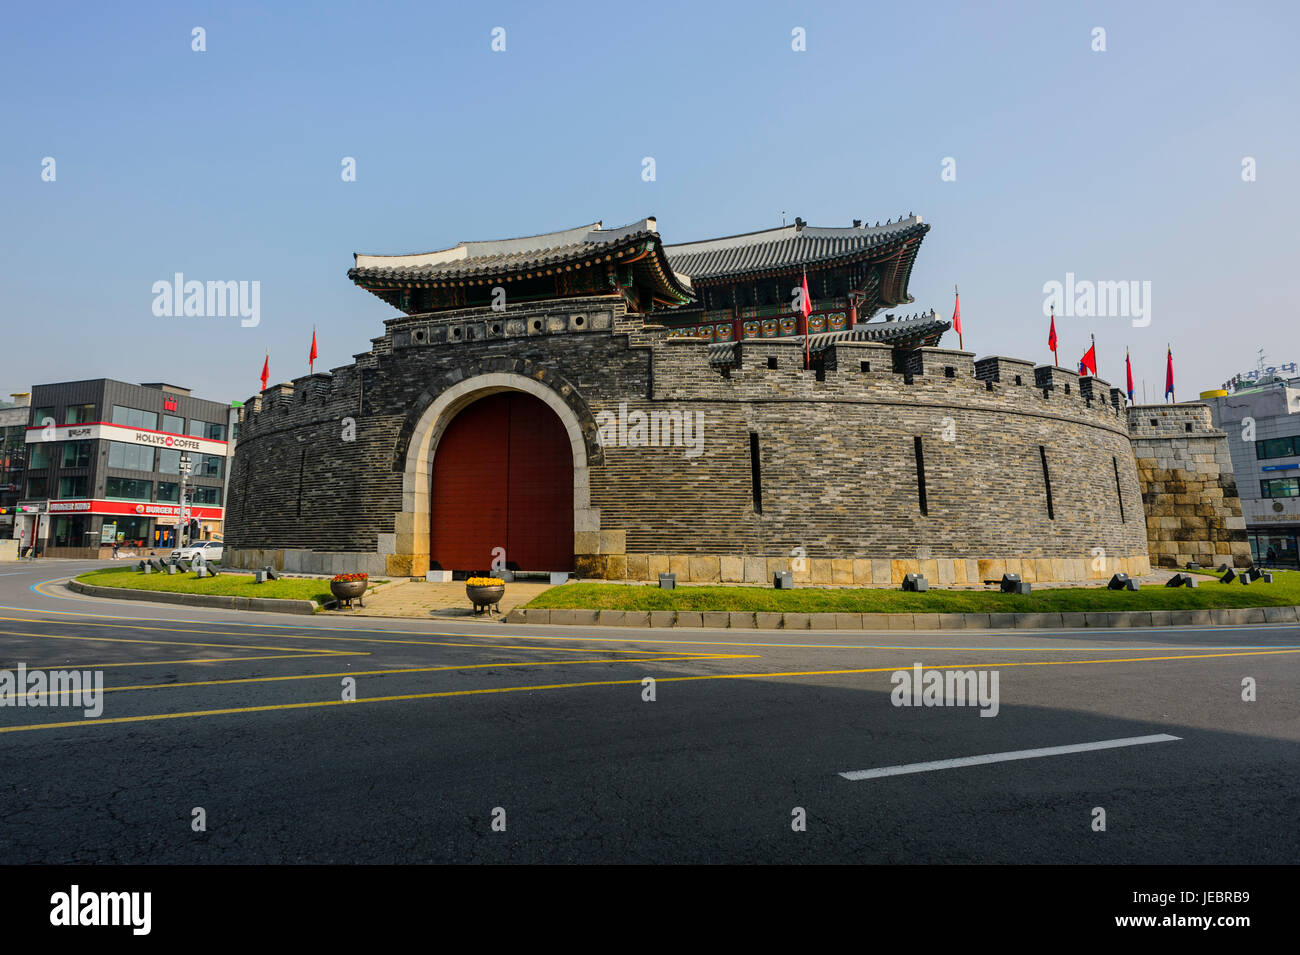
pixel 225 165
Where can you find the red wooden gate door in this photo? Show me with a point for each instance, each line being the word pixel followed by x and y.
pixel 503 477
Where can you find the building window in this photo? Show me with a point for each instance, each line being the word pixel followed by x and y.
pixel 39 456
pixel 73 486
pixel 78 454
pixel 38 487
pixel 40 414
pixel 1277 448
pixel 169 462
pixel 128 489
pixel 135 418
pixel 173 424
pixel 79 414
pixel 208 465
pixel 207 429
pixel 130 457
pixel 755 473
pixel 1280 487
pixel 206 495
pixel 168 492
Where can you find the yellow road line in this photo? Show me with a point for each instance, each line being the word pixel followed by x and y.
pixel 347 639
pixel 323 676
pixel 66 665
pixel 172 643
pixel 590 683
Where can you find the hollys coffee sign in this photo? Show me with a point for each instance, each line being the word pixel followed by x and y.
pixel 103 431
pixel 160 440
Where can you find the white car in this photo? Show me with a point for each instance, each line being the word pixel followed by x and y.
pixel 209 550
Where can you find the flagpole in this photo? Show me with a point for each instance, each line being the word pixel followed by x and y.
pixel 960 344
pixel 1056 359
pixel 1169 364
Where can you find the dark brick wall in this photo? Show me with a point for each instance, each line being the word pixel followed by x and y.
pixel 837 455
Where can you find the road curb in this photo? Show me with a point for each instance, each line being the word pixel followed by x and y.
pixel 1240 616
pixel 213 601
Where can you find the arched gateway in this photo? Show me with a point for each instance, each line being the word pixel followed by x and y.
pixel 496 460
pixel 503 484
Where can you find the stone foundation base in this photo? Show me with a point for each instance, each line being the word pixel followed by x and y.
pixel 944 571
pixel 715 568
pixel 298 561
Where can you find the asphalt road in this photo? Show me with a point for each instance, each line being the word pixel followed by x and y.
pixel 548 730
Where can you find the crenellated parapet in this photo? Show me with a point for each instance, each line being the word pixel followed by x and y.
pixel 864 371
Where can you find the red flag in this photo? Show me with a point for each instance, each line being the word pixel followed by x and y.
pixel 1089 361
pixel 1051 336
pixel 1169 376
pixel 311 359
pixel 956 316
pixel 266 370
pixel 805 309
pixel 1128 367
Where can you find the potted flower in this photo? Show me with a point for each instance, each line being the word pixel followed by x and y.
pixel 349 587
pixel 485 592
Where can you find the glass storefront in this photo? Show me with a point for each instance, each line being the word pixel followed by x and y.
pixel 134 531
pixel 71 531
pixel 1276 549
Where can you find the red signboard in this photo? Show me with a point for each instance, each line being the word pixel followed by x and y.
pixel 128 508
pixel 169 403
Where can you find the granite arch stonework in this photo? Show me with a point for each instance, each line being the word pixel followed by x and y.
pixel 412 521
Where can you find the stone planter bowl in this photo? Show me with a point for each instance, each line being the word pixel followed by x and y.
pixel 485 596
pixel 348 590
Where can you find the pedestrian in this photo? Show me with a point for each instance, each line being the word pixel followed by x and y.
pixel 115 550
pixel 1271 558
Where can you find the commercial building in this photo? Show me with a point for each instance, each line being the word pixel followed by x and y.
pixel 13 458
pixel 599 402
pixel 1262 421
pixel 104 465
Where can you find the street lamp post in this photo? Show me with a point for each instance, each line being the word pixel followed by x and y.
pixel 183 520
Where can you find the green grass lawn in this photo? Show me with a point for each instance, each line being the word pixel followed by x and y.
pixel 224 585
pixel 1210 593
